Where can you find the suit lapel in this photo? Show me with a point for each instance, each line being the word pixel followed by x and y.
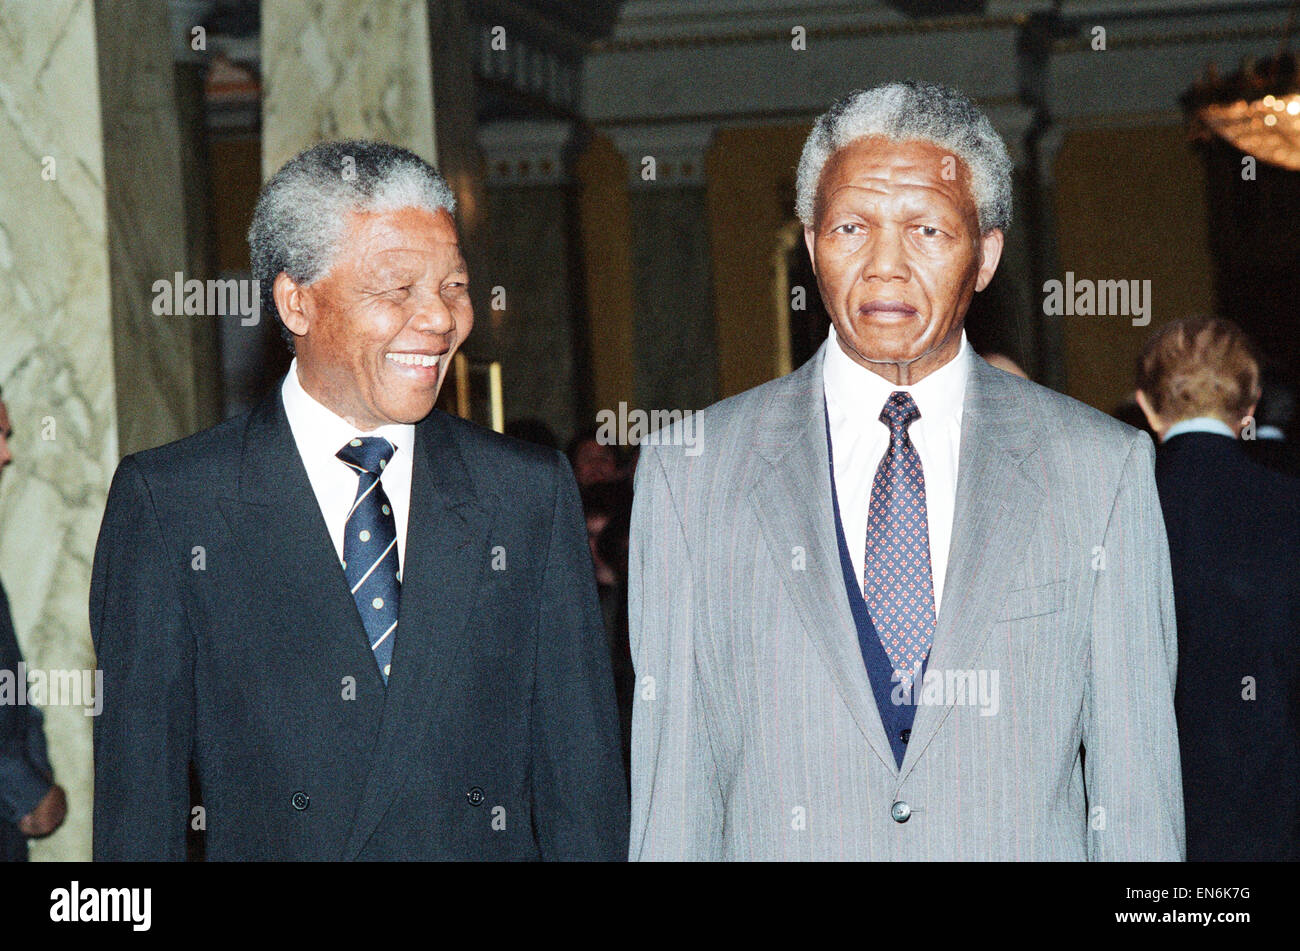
pixel 996 509
pixel 446 553
pixel 277 522
pixel 792 497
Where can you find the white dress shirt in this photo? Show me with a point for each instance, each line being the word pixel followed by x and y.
pixel 320 434
pixel 854 398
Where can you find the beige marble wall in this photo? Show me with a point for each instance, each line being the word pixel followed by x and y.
pixel 91 214
pixel 345 70
pixel 55 359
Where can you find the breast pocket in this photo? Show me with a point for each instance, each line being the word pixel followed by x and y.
pixel 1033 602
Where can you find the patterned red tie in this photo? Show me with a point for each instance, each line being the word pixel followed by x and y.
pixel 896 574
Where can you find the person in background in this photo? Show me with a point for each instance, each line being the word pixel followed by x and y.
pixel 32 805
pixel 592 460
pixel 1274 415
pixel 1234 542
pixel 607 507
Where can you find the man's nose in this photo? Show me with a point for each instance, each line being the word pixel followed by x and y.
pixel 886 258
pixel 433 315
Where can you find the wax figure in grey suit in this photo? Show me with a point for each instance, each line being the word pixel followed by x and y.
pixel 347 687
pixel 774 717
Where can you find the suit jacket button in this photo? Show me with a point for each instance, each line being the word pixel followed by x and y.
pixel 900 811
pixel 905 735
pixel 475 796
pixel 300 801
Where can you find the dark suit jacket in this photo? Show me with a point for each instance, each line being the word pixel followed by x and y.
pixel 228 636
pixel 1234 541
pixel 24 765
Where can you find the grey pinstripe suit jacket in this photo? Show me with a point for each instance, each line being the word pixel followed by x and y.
pixel 755 732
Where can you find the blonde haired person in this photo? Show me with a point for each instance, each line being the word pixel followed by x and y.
pixel 1234 542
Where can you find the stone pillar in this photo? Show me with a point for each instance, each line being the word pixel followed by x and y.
pixel 532 317
pixel 675 342
pixel 92 215
pixel 345 70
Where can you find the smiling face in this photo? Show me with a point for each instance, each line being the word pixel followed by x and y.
pixel 375 335
pixel 898 254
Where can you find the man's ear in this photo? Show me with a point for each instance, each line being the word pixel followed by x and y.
pixel 809 239
pixel 990 255
pixel 1153 418
pixel 292 302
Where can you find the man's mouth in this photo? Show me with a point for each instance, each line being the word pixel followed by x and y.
pixel 420 365
pixel 886 308
pixel 413 359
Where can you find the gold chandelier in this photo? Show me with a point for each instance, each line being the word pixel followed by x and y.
pixel 1256 109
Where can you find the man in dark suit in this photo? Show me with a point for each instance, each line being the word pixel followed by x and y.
pixel 371 627
pixel 1234 541
pixel 32 805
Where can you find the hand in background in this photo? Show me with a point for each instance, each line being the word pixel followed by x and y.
pixel 47 816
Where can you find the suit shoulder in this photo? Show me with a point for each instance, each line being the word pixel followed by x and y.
pixel 195 464
pixel 495 458
pixel 1068 421
pixel 728 424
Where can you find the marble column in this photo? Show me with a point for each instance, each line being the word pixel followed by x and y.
pixel 345 70
pixel 675 339
pixel 91 216
pixel 531 320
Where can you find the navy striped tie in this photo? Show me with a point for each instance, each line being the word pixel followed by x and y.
pixel 370 547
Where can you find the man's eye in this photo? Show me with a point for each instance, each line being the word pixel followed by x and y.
pixel 846 229
pixel 930 231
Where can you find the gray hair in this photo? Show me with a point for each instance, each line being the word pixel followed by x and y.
pixel 911 111
pixel 301 213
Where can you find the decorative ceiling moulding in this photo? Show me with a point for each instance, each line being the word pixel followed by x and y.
pixel 527 152
pixel 782 34
pixel 1116 39
pixel 664 156
pixel 736 119
pixel 768 81
pixel 519 62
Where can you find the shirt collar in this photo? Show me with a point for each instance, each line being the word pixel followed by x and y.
pixel 319 429
pixel 941 395
pixel 1199 424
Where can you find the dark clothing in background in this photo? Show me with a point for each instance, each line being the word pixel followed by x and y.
pixel 1234 542
pixel 1276 454
pixel 25 773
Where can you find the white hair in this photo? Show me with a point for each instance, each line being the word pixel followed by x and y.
pixel 912 111
pixel 301 214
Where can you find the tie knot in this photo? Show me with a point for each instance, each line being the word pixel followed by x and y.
pixel 899 412
pixel 367 453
